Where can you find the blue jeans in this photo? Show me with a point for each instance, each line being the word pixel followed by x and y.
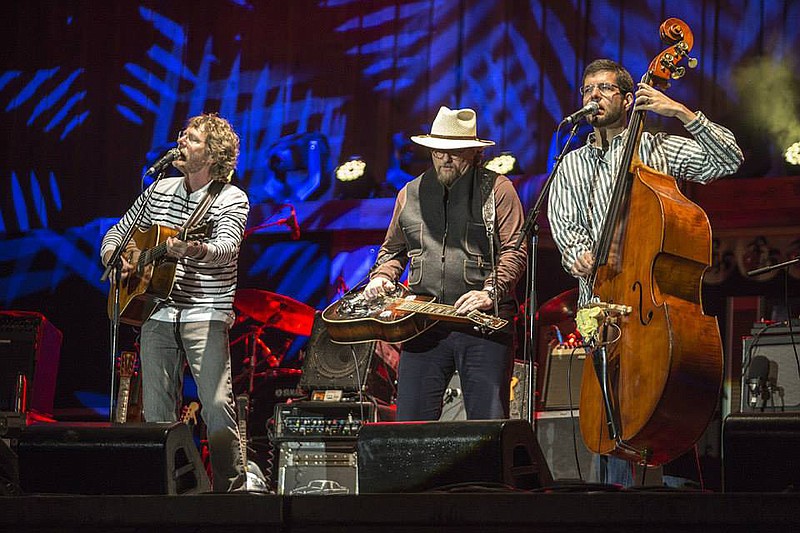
pixel 204 345
pixel 428 362
pixel 612 470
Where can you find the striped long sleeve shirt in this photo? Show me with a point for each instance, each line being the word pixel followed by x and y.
pixel 206 284
pixel 583 184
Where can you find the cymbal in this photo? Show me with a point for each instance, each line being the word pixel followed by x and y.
pixel 275 310
pixel 559 308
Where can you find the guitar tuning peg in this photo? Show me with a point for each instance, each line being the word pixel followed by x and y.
pixel 692 62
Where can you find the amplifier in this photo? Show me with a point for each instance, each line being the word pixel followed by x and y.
pixel 312 419
pixel 778 389
pixel 562 383
pixel 325 468
pixel 30 348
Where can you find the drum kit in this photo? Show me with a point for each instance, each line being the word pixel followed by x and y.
pixel 267 324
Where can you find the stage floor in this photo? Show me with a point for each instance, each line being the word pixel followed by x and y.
pixel 630 511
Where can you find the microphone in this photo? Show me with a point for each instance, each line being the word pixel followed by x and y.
pixel 164 161
pixel 291 221
pixel 589 109
pixel 757 377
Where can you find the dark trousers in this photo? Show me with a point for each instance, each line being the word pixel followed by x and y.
pixel 428 362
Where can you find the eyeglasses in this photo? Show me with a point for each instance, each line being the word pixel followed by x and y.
pixel 606 89
pixel 439 154
pixel 191 137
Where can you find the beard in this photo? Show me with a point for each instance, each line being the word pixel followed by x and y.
pixel 610 118
pixel 447 176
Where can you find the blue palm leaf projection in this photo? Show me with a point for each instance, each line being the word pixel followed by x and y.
pixel 43 259
pixel 275 107
pixel 52 107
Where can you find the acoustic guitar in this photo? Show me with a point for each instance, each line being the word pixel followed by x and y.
pixel 395 317
pixel 152 280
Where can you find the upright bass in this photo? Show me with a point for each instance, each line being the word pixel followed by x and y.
pixel 652 382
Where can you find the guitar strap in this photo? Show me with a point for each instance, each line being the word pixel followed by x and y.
pixel 487 180
pixel 205 204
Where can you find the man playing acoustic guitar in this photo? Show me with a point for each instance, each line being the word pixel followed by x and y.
pixel 192 322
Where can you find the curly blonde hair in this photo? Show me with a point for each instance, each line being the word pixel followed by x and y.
pixel 222 144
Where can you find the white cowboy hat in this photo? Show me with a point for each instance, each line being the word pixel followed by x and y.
pixel 452 129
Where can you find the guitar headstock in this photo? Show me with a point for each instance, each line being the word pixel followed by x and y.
pixel 189 413
pixel 127 364
pixel 242 404
pixel 487 321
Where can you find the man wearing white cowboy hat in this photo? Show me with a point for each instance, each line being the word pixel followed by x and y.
pixel 439 229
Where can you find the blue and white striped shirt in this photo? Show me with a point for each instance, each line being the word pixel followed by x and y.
pixel 583 185
pixel 207 284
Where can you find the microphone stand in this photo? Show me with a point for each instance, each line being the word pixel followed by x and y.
pixel 113 263
pixel 531 227
pixel 766 269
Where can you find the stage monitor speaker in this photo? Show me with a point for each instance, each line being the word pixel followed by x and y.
pixel 9 471
pixel 30 346
pixel 422 456
pixel 102 458
pixel 331 366
pixel 782 385
pixel 759 452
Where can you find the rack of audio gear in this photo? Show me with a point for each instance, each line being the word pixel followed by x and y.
pixel 315 444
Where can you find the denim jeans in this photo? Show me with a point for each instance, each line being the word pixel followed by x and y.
pixel 612 470
pixel 204 346
pixel 428 362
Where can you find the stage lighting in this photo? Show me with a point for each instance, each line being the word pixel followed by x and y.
pixel 352 169
pixel 505 163
pixel 792 154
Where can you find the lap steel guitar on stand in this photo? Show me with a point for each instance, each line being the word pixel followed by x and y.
pixel 395 317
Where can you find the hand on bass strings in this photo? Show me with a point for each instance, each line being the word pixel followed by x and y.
pixel 583 265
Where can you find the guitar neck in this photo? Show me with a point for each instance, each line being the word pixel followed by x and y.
pixel 153 254
pixel 441 311
pixel 241 408
pixel 123 397
pixel 448 313
pixel 157 252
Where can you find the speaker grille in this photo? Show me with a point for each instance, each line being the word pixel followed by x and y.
pixel 29 345
pixel 783 381
pixel 328 365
